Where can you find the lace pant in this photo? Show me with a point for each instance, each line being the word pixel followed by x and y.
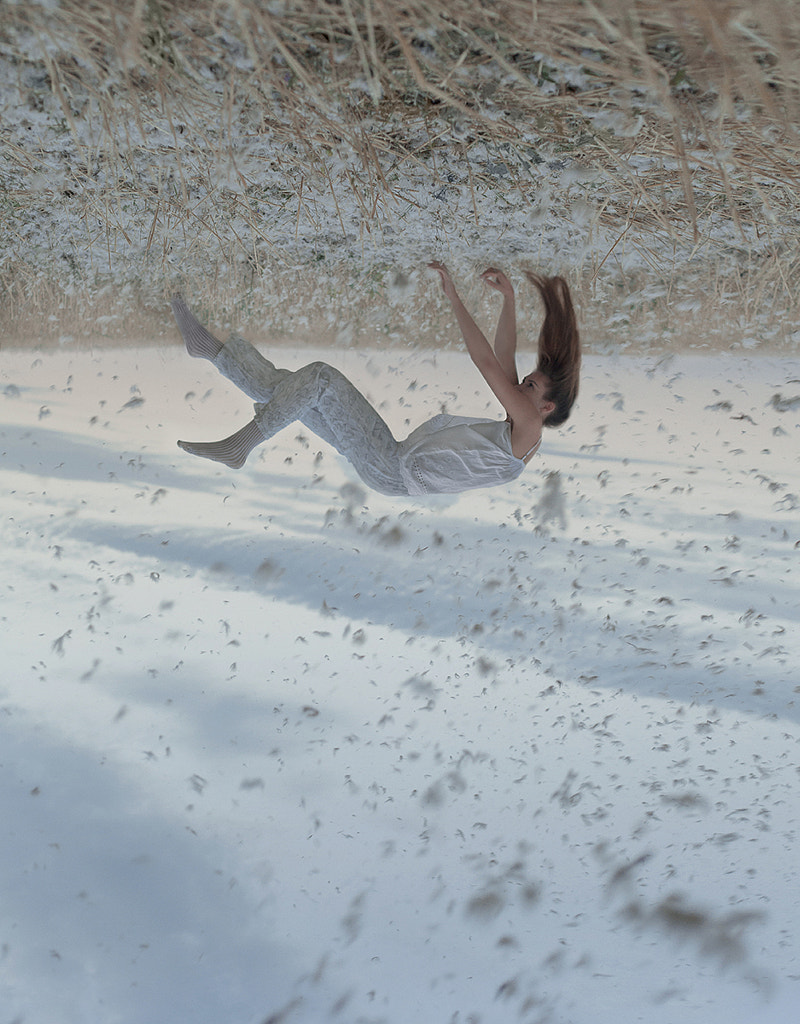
pixel 325 401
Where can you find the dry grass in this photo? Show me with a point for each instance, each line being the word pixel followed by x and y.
pixel 686 110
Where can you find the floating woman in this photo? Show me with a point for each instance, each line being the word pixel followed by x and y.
pixel 446 455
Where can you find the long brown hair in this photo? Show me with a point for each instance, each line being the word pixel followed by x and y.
pixel 559 345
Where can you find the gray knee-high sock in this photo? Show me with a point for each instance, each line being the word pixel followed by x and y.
pixel 199 342
pixel 231 451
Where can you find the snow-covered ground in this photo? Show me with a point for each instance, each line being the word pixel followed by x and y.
pixel 278 749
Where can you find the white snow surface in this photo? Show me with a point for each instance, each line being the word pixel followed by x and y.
pixel 275 748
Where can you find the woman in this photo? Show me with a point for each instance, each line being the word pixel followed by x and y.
pixel 448 454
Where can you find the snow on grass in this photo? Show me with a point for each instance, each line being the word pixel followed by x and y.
pixel 175 148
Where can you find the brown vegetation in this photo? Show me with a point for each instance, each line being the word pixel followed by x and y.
pixel 687 111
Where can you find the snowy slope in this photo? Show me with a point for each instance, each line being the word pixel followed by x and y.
pixel 276 748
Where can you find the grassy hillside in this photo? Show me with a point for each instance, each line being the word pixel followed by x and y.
pixel 293 165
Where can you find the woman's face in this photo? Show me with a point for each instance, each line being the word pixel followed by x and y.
pixel 535 387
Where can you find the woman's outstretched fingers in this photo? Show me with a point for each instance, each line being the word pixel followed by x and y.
pixel 497 279
pixel 444 276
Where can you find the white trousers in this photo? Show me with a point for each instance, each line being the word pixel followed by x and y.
pixel 325 401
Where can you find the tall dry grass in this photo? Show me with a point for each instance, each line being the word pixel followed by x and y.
pixel 687 109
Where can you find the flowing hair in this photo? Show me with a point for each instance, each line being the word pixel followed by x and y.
pixel 559 354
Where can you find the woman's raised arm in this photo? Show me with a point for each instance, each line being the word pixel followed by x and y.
pixel 505 338
pixel 526 421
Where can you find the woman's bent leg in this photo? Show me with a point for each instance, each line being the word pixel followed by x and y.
pixel 321 398
pixel 326 402
pixel 237 360
pixel 245 367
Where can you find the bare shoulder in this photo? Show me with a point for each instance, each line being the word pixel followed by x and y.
pixel 526 432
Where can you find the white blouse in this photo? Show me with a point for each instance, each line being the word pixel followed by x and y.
pixel 449 454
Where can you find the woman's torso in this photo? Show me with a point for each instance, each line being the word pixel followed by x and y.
pixel 450 454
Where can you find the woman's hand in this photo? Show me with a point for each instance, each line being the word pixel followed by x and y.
pixel 497 279
pixel 444 276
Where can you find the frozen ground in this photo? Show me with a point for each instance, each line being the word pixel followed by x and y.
pixel 272 752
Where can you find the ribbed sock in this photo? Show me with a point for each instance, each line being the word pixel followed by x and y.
pixel 199 342
pixel 232 451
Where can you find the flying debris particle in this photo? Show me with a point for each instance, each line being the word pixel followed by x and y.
pixel 247 784
pixel 719 936
pixel 197 782
pixel 421 687
pixel 729 580
pixel 486 905
pixel 351 922
pixel 531 893
pixel 340 1004
pixel 622 874
pixel 785 404
pixel 453 781
pixel 551 504
pixel 353 495
pixel 387 535
pixel 392 536
pixel 686 801
pixel 282 1015
pixel 268 571
pixel 90 672
pixel 133 403
pixel 58 643
pixel 565 794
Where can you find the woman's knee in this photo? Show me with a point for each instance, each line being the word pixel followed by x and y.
pixel 312 372
pixel 323 374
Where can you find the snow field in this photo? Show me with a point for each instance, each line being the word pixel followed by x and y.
pixel 276 748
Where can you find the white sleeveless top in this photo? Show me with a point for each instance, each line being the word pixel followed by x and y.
pixel 450 454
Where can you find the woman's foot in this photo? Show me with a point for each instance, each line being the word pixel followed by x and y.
pixel 199 342
pixel 231 451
